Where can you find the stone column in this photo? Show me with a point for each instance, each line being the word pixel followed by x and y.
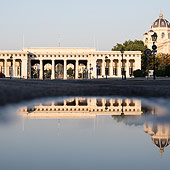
pixel 13 68
pixel 127 68
pixel 76 69
pixel 119 68
pixel 5 67
pixel 41 70
pixel 29 68
pixel 94 71
pixel 103 67
pixel 65 69
pixel 53 70
pixel 24 69
pixel 111 68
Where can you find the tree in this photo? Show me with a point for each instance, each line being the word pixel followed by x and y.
pixel 136 45
pixel 70 73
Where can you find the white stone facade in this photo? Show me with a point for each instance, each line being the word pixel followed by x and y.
pixel 32 61
pixel 162 27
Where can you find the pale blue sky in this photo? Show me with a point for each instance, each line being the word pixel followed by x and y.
pixel 78 22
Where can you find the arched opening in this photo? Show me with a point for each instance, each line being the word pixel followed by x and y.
pixel 71 69
pixel 163 35
pixel 82 71
pixel 59 71
pixel 1 66
pixel 47 70
pixel 146 40
pixel 18 64
pixel 35 68
pixel 168 35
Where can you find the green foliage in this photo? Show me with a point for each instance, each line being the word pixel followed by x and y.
pixel 139 73
pixel 47 73
pixel 136 45
pixel 167 70
pixel 70 73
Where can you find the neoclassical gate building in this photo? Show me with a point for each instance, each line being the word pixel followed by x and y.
pixel 68 62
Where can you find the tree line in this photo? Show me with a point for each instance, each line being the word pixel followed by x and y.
pixel 162 61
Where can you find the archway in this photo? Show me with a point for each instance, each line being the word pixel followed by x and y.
pixel 35 68
pixel 47 71
pixel 71 69
pixel 82 70
pixel 59 71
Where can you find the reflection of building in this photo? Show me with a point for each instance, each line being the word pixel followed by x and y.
pixel 162 27
pixel 51 58
pixel 160 134
pixel 82 108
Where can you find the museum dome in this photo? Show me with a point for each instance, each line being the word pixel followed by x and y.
pixel 161 22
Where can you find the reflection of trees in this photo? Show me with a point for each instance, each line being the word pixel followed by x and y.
pixel 128 120
pixel 146 110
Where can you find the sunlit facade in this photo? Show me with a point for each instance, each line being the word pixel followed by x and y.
pixel 82 108
pixel 162 27
pixel 67 63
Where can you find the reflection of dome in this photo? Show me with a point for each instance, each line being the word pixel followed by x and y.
pixel 160 134
pixel 161 143
pixel 161 22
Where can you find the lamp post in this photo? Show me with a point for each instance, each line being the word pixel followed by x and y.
pixel 20 68
pixel 107 68
pixel 97 69
pixel 122 52
pixel 11 73
pixel 154 51
pixel 90 70
pixel 122 110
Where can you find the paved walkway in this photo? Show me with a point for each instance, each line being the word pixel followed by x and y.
pixel 13 91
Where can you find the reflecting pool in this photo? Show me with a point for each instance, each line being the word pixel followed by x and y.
pixel 86 133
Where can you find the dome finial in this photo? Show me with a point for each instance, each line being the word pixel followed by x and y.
pixel 161 15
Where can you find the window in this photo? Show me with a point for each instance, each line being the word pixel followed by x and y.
pixel 146 40
pixel 169 36
pixel 163 35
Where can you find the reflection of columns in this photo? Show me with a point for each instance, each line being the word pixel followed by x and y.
pixel 77 101
pixel 103 67
pixel 65 69
pixel 13 68
pixel 53 70
pixel 76 69
pixel 5 67
pixel 111 68
pixel 41 69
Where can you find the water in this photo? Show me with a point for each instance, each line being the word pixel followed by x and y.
pixel 86 133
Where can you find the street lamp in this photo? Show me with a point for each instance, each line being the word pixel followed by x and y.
pixel 122 52
pixel 90 70
pixel 97 69
pixel 154 51
pixel 107 67
pixel 11 73
pixel 20 68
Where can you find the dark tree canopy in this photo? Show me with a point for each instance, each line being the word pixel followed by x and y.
pixel 136 45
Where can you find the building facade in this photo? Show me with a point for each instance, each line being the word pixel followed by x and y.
pixel 162 27
pixel 67 63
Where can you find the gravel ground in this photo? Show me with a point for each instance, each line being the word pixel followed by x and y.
pixel 16 90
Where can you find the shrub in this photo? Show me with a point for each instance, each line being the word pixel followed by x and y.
pixel 139 73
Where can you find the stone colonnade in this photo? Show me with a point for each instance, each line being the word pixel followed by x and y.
pixel 96 62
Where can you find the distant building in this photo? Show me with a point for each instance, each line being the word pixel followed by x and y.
pixel 162 27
